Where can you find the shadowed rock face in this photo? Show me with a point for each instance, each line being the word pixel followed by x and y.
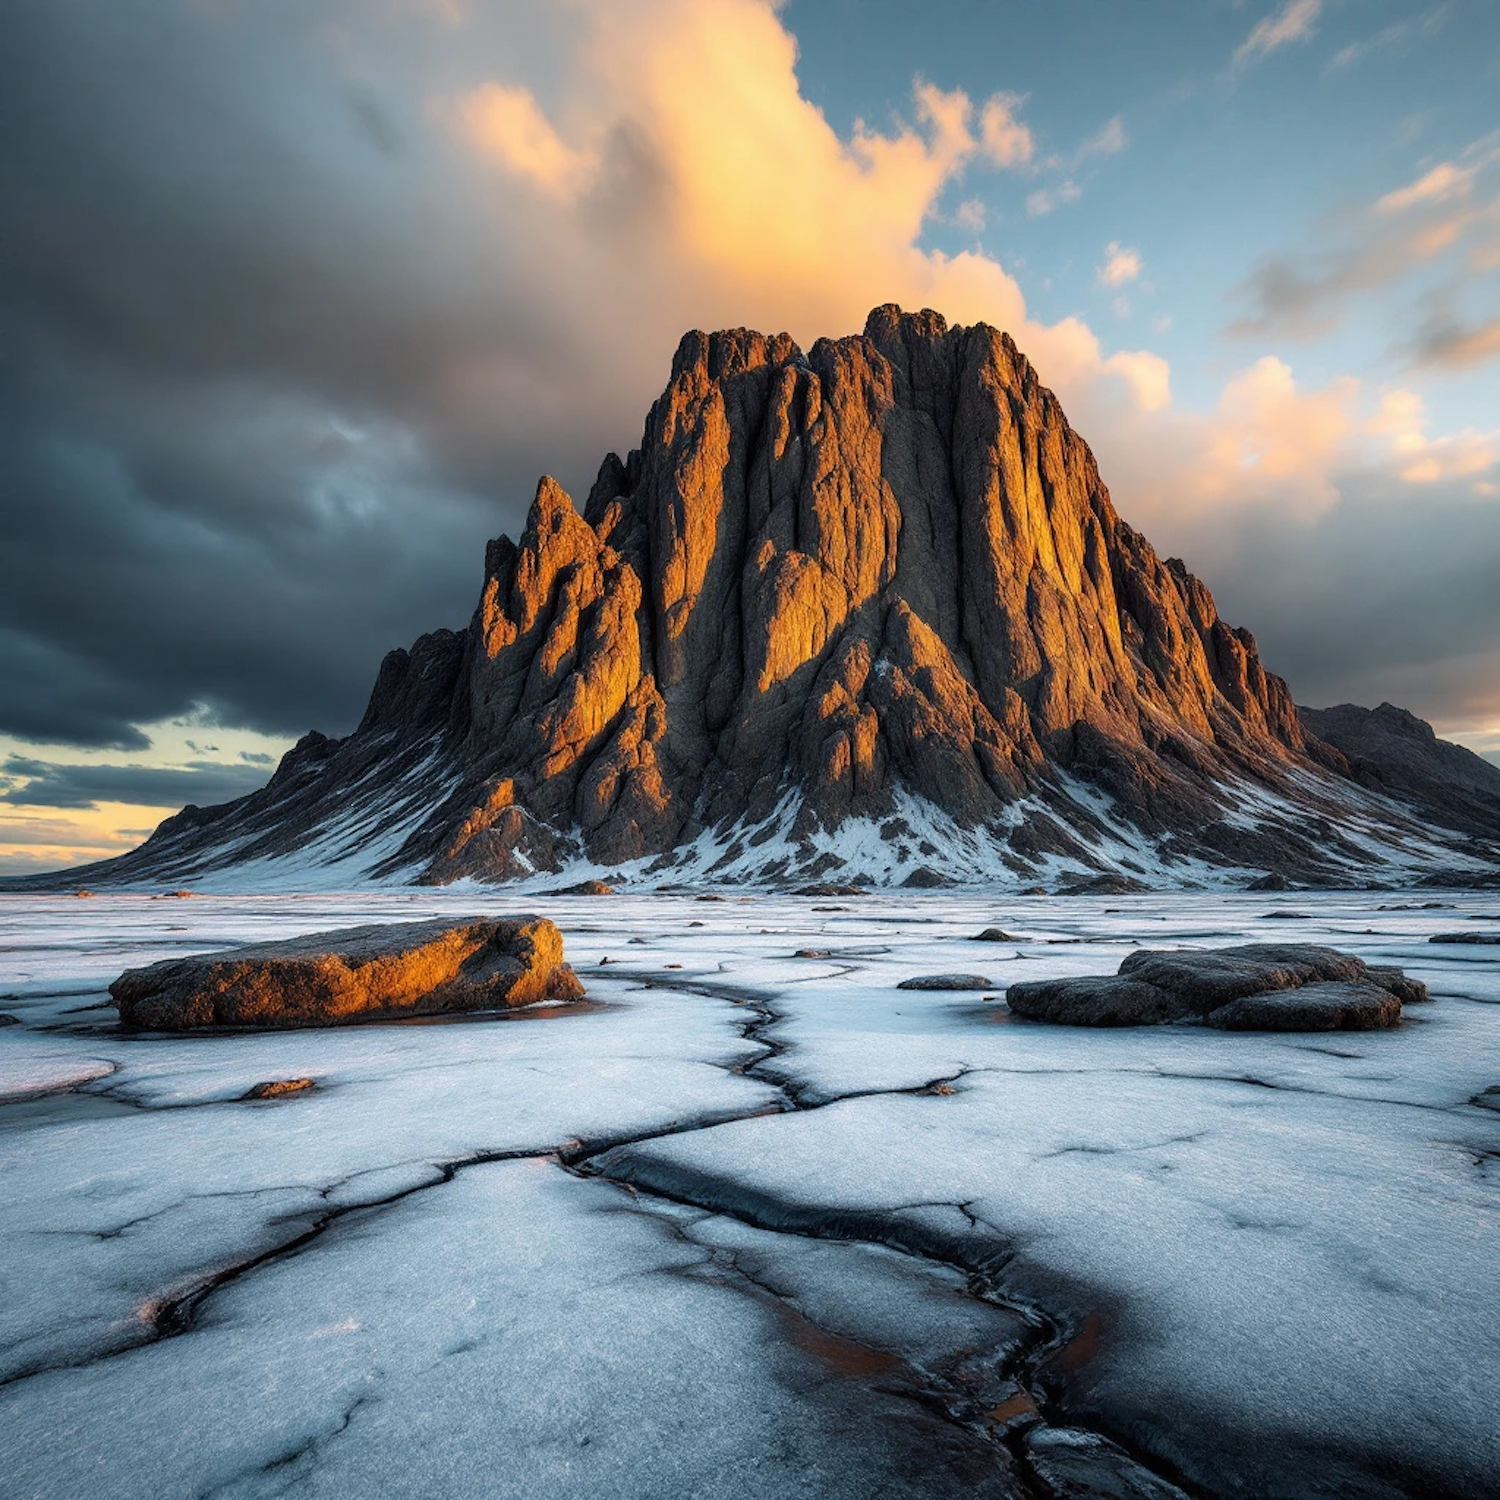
pixel 361 973
pixel 830 585
pixel 1393 751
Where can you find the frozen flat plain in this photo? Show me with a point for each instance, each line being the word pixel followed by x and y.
pixel 752 1224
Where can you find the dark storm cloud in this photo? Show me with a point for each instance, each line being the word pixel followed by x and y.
pixel 239 302
pixel 1389 593
pixel 39 783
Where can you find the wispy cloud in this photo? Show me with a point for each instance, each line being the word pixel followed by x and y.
pixel 1451 343
pixel 1440 218
pixel 1121 265
pixel 1389 38
pixel 1294 22
pixel 1447 180
pixel 1109 140
pixel 1044 200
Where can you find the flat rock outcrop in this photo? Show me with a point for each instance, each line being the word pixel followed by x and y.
pixel 357 974
pixel 946 982
pixel 1325 1006
pixel 860 614
pixel 1250 987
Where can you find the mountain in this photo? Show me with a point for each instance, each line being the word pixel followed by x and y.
pixel 864 613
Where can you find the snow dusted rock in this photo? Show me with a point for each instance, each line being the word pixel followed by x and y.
pixel 358 974
pixel 1329 1006
pixel 1252 987
pixel 1393 751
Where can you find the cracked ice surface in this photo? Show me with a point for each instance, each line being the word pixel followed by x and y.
pixel 1268 1261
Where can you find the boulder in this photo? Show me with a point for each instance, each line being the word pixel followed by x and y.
pixel 994 935
pixel 1487 938
pixel 276 1088
pixel 1330 1006
pixel 946 982
pixel 1252 987
pixel 358 974
pixel 1095 1000
pixel 1205 978
pixel 1407 991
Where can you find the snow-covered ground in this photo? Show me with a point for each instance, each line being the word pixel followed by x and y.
pixel 749 1223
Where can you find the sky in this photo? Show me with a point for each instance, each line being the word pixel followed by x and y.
pixel 298 298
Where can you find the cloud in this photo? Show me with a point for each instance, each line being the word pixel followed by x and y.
pixel 63 833
pixel 1422 459
pixel 1389 38
pixel 1121 265
pixel 39 783
pixel 1455 345
pixel 1429 220
pixel 970 214
pixel 1108 141
pixel 1294 22
pixel 507 124
pixel 1044 200
pixel 1007 142
pixel 1443 183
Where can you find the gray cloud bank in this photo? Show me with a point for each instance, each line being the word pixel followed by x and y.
pixel 276 356
pixel 26 782
pixel 255 349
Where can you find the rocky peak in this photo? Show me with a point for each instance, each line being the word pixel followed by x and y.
pixel 886 564
pixel 866 608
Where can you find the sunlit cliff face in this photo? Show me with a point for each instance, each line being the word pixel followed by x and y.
pixel 309 296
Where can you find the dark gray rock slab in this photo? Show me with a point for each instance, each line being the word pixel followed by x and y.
pixel 1326 1006
pixel 1251 987
pixel 1205 978
pixel 1095 1000
pixel 356 974
pixel 1489 939
pixel 946 982
pixel 1407 990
